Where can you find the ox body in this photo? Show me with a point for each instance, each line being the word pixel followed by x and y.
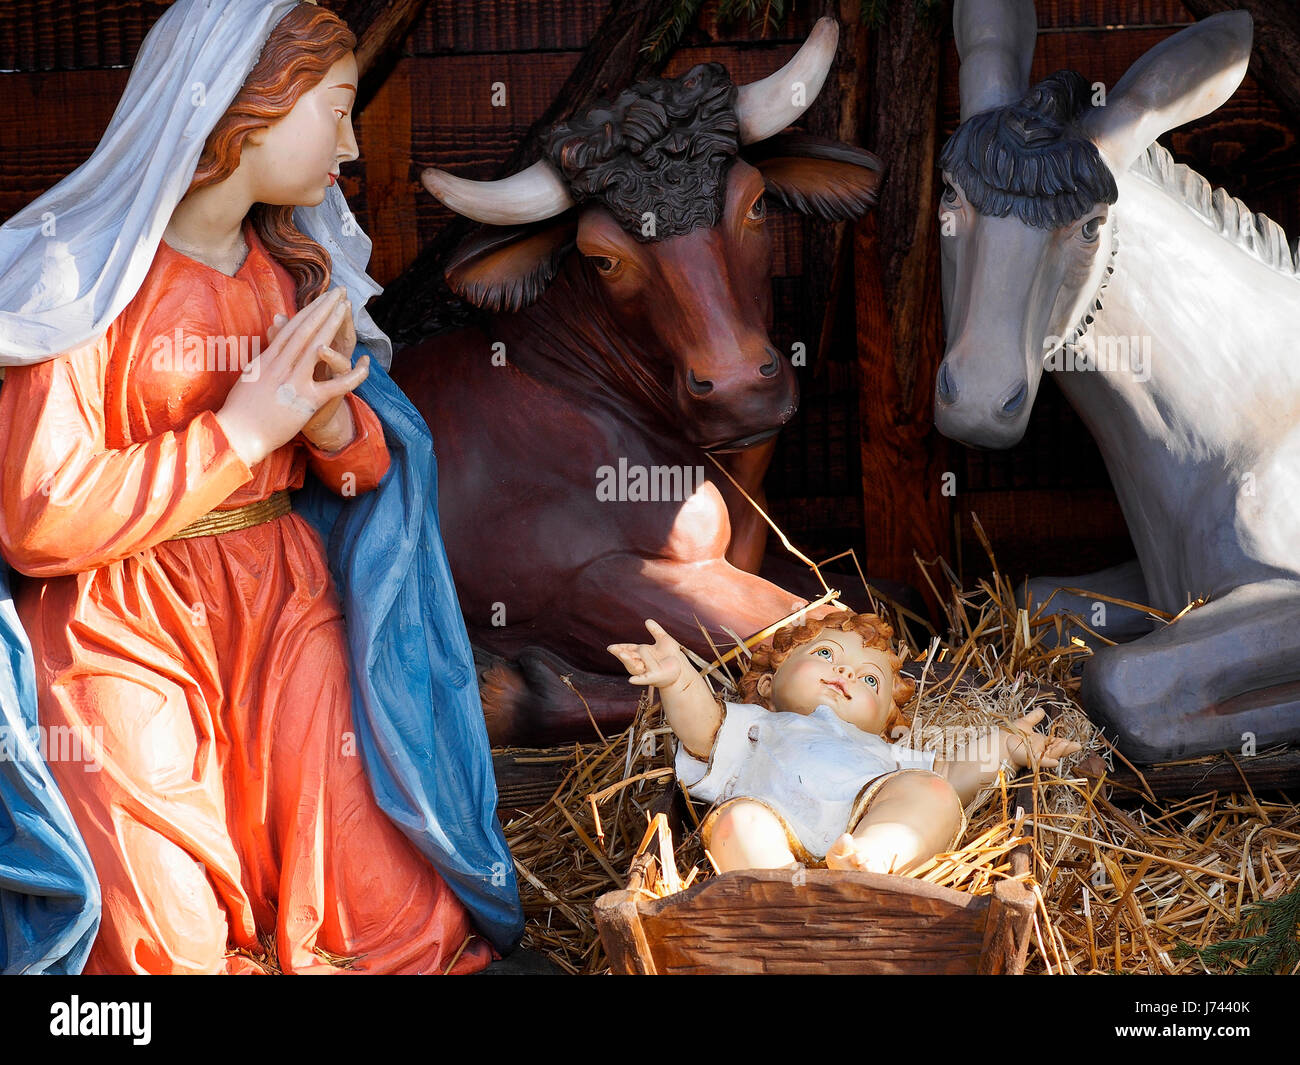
pixel 1076 245
pixel 629 276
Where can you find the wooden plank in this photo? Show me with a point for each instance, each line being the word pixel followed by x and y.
pixel 74 34
pixel 527 778
pixel 623 936
pixel 1275 771
pixel 1056 14
pixel 468 26
pixel 55 122
pixel 392 194
pixel 1006 933
pixel 1057 531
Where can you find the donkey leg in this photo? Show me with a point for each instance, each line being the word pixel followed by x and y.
pixel 1224 676
pixel 1115 622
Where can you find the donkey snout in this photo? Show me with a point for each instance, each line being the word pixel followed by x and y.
pixel 947 387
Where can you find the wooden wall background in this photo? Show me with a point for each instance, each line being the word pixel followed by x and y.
pixel 835 484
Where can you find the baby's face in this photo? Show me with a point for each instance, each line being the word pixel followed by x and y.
pixel 839 670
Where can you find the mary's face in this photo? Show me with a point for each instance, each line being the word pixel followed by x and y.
pixel 297 159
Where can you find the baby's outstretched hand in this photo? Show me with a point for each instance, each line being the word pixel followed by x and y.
pixel 1025 747
pixel 659 663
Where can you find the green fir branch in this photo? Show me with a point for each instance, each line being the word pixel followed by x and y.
pixel 671 27
pixel 1267 943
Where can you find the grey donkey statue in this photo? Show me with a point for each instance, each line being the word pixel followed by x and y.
pixel 1072 243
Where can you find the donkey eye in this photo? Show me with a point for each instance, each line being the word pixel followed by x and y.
pixel 1090 229
pixel 757 210
pixel 949 194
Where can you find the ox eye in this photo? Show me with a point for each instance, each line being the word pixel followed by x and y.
pixel 1090 229
pixel 757 210
pixel 605 265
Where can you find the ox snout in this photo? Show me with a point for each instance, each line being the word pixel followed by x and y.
pixel 989 411
pixel 728 409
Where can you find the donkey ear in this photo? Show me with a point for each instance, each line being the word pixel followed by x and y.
pixel 1182 78
pixel 995 41
pixel 507 268
pixel 834 181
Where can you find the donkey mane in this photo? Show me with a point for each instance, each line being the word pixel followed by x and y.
pixel 1028 159
pixel 1249 230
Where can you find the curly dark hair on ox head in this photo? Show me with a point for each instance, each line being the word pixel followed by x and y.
pixel 662 147
pixel 1027 158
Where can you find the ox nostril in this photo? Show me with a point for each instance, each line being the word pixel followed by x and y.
pixel 1016 400
pixel 947 387
pixel 695 386
pixel 773 365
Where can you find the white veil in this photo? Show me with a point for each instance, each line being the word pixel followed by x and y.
pixel 74 258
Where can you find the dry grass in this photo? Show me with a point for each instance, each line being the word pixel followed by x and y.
pixel 1117 889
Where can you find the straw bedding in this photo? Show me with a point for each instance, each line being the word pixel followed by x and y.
pixel 1119 890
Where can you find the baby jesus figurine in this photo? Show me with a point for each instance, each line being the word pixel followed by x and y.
pixel 801 772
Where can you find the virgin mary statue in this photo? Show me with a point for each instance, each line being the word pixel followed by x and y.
pixel 240 711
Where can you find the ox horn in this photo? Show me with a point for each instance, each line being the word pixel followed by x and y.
pixel 766 107
pixel 528 196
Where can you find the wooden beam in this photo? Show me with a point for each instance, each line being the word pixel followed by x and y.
pixel 380 26
pixel 899 326
pixel 1274 771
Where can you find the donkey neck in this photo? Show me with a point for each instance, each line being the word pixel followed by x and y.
pixel 1223 388
pixel 569 340
pixel 1214 321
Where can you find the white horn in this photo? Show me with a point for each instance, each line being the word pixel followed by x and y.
pixel 766 107
pixel 528 196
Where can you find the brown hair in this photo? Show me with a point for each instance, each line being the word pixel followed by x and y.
pixel 875 631
pixel 302 47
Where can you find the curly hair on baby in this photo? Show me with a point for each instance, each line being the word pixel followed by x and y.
pixel 875 632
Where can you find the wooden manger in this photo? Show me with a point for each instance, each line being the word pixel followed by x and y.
pixel 816 922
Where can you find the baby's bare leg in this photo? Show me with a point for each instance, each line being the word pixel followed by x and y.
pixel 913 817
pixel 747 835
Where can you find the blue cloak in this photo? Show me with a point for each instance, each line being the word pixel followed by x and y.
pixel 415 706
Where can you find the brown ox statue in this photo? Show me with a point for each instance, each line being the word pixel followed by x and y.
pixel 628 278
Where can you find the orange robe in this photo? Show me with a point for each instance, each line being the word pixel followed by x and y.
pixel 218 786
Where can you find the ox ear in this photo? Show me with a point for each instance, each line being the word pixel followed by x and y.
pixel 1182 78
pixel 834 181
pixel 505 268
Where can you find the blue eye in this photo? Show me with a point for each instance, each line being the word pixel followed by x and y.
pixel 872 681
pixel 824 651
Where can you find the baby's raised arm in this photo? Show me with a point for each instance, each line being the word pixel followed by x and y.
pixel 692 711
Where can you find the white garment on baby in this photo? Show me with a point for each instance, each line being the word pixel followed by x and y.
pixel 809 768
